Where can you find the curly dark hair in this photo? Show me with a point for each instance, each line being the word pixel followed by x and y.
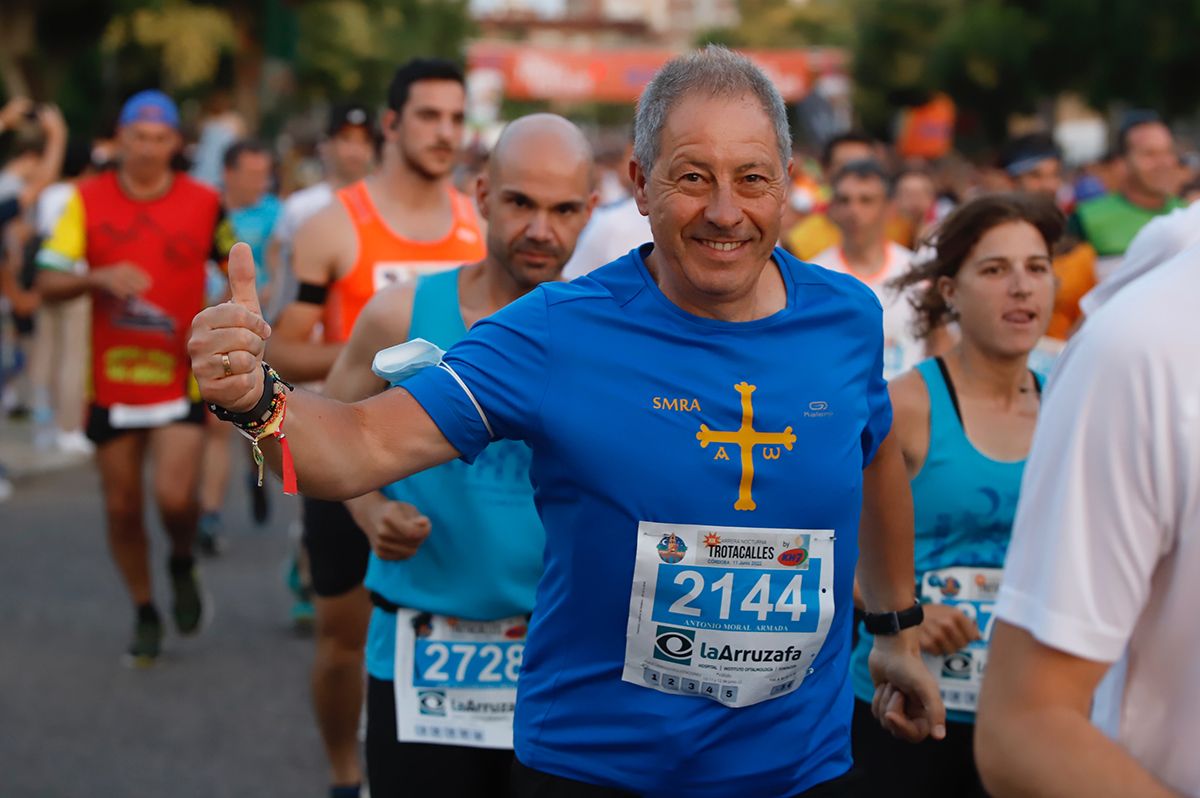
pixel 954 239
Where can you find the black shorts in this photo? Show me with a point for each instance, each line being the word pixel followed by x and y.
pixel 929 769
pixel 404 770
pixel 530 783
pixel 100 429
pixel 338 551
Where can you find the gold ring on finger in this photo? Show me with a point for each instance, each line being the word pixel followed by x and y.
pixel 227 365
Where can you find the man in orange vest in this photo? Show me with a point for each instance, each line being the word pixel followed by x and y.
pixel 402 221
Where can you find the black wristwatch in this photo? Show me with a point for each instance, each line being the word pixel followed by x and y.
pixel 890 623
pixel 272 384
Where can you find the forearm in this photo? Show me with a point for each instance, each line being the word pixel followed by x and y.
pixel 302 361
pixel 341 451
pixel 1055 752
pixel 885 538
pixel 58 286
pixel 360 507
pixel 329 444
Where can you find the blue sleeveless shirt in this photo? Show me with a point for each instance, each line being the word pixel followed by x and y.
pixel 963 504
pixel 483 558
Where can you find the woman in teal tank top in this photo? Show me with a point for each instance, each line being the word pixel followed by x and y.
pixel 964 423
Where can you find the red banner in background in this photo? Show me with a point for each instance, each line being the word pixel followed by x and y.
pixel 542 73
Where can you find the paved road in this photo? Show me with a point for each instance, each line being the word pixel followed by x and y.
pixel 225 714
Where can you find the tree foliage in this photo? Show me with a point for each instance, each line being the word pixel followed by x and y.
pixel 782 23
pixel 999 57
pixel 353 46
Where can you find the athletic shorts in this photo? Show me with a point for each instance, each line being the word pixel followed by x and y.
pixel 898 769
pixel 529 783
pixel 403 770
pixel 100 429
pixel 338 551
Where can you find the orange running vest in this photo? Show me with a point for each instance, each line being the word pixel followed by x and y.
pixel 387 258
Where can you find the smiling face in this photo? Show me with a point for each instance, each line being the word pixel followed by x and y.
pixel 1004 291
pixel 714 198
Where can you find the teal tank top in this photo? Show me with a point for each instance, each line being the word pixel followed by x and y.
pixel 963 505
pixel 483 558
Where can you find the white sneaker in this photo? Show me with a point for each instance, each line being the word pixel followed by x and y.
pixel 75 442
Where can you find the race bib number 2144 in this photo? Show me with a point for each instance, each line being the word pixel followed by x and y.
pixel 732 614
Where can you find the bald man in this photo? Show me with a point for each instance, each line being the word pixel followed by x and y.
pixel 455 579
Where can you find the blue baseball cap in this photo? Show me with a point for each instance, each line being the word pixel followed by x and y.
pixel 149 106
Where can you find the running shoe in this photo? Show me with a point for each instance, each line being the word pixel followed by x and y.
pixel 75 443
pixel 187 605
pixel 146 645
pixel 208 535
pixel 303 613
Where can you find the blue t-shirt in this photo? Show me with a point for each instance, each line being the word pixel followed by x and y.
pixel 483 557
pixel 253 224
pixel 609 383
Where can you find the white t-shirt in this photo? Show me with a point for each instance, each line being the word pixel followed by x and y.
pixel 1161 239
pixel 901 349
pixel 1105 555
pixel 612 231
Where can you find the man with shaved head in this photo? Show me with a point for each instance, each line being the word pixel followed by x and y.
pixel 468 589
pixel 708 425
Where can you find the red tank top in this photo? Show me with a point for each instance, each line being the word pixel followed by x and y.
pixel 385 258
pixel 139 347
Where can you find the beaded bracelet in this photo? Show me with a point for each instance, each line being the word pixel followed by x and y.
pixel 265 420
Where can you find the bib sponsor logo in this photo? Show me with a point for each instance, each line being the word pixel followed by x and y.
pixel 672 644
pixel 671 548
pixel 793 558
pixel 719 550
pixel 950 587
pixel 988 589
pixel 957 665
pixel 728 653
pixel 432 702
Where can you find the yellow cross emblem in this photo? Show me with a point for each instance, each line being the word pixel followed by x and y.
pixel 746 438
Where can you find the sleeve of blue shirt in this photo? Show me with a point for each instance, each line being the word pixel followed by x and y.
pixel 879 408
pixel 504 362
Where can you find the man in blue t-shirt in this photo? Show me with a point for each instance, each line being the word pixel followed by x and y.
pixel 707 418
pixel 433 728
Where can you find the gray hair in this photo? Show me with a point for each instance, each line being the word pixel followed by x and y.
pixel 715 71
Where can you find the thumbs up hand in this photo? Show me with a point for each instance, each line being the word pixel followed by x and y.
pixel 227 341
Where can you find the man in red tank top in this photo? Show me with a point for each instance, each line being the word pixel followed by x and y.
pixel 404 220
pixel 137 240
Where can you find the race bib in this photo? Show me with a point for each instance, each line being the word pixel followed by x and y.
pixel 402 272
pixel 456 680
pixel 732 614
pixel 973 591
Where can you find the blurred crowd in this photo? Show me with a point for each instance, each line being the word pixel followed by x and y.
pixel 873 220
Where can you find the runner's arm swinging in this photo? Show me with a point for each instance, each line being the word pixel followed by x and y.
pixel 294 353
pixel 1034 736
